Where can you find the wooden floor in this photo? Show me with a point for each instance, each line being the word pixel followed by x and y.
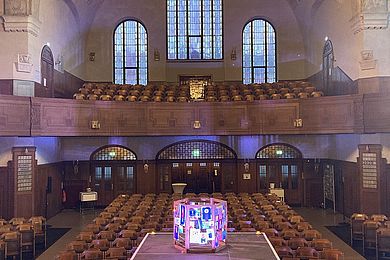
pixel 319 218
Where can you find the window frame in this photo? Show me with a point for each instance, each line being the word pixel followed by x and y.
pixel 266 57
pixel 123 21
pixel 189 36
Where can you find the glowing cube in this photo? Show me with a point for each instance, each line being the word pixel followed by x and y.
pixel 200 224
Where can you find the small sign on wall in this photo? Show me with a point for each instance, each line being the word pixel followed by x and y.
pixel 24 63
pixel 246 176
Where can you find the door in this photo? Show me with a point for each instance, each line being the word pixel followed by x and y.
pixel 201 177
pixel 47 72
pixel 284 174
pixel 111 180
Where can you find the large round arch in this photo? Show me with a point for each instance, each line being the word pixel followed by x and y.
pixel 279 165
pixel 113 172
pixel 206 166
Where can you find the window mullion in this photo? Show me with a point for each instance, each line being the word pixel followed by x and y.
pixel 123 54
pixel 187 30
pixel 201 28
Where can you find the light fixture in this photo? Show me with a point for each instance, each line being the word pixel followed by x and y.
pixel 233 55
pixel 92 56
pixel 156 54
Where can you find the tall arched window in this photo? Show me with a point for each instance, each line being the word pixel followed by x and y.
pixel 259 52
pixel 194 29
pixel 130 53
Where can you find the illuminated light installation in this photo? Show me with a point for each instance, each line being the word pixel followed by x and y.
pixel 200 224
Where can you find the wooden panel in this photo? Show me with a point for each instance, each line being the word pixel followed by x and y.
pixel 376 113
pixel 341 114
pixel 6 86
pixel 278 116
pixel 53 198
pixel 246 185
pixel 14 116
pixel 4 194
pixel 146 182
pixel 163 119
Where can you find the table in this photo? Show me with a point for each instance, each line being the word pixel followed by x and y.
pixel 87 200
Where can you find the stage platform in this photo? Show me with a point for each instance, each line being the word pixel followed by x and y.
pixel 240 246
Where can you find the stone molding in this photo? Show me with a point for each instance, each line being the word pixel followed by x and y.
pixel 369 15
pixel 21 24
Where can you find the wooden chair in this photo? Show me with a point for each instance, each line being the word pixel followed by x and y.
pixel 92 254
pixel 383 243
pixel 102 244
pixel 118 253
pixel 86 236
pixel 27 238
pixel 287 234
pixel 357 220
pixel 2 249
pixel 307 253
pixel 331 254
pixel 321 243
pixel 12 244
pixel 369 234
pixel 311 234
pixel 66 255
pixel 378 217
pixel 284 252
pixel 296 242
pixel 277 241
pixel 271 232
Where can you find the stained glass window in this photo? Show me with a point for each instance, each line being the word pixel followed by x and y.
pixel 259 52
pixel 130 53
pixel 190 150
pixel 278 151
pixel 110 153
pixel 194 29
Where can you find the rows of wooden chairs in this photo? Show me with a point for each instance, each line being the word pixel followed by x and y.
pixel 20 236
pixel 212 92
pixel 288 232
pixel 373 231
pixel 125 222
pixel 120 227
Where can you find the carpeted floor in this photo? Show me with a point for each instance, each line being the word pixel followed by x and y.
pixel 52 235
pixel 344 233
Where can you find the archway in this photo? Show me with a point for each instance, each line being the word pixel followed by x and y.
pixel 280 164
pixel 206 166
pixel 47 73
pixel 112 172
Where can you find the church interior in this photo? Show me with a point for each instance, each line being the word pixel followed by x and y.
pixel 111 110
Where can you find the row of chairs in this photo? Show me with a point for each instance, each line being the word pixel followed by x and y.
pixel 120 227
pixel 128 219
pixel 20 235
pixel 289 233
pixel 373 231
pixel 222 93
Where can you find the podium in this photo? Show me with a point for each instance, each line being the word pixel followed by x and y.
pixel 87 200
pixel 279 192
pixel 178 187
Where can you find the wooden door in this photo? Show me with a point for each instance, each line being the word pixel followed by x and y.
pixel 47 74
pixel 123 179
pixel 103 184
pixel 284 174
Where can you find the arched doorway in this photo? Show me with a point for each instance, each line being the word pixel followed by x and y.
pixel 206 166
pixel 280 164
pixel 47 73
pixel 113 172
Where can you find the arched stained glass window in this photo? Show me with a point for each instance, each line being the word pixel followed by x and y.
pixel 113 153
pixel 278 151
pixel 194 29
pixel 259 52
pixel 196 149
pixel 130 53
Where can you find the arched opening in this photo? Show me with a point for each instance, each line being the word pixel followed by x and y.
pixel 328 63
pixel 280 165
pixel 206 166
pixel 47 73
pixel 113 172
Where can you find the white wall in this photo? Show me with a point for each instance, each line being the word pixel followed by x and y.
pixel 236 14
pixel 48 148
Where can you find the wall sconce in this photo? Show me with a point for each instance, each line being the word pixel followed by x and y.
pixel 298 123
pixel 156 55
pixel 197 124
pixel 26 151
pixel 146 168
pixel 233 55
pixel 92 56
pixel 246 167
pixel 95 124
